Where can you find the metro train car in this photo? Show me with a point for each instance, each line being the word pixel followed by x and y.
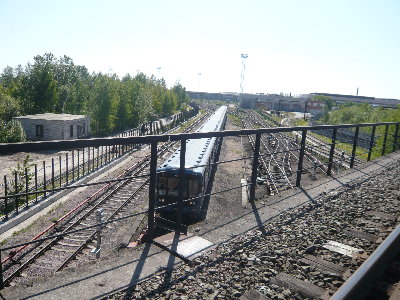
pixel 199 154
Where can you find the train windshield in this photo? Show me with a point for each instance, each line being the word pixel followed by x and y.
pixel 169 186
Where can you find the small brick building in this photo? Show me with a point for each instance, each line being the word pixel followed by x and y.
pixel 42 127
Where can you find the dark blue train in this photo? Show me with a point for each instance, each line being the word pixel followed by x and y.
pixel 199 154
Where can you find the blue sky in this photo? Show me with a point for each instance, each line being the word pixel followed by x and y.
pixel 293 46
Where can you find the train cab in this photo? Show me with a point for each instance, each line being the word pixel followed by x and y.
pixel 167 187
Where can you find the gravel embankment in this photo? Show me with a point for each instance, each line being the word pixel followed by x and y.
pixel 252 260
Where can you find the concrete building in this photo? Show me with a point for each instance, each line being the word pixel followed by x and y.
pixel 42 127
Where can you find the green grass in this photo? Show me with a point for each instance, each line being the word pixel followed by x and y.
pixel 347 148
pixel 300 122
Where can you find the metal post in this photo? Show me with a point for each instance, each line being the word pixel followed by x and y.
pixel 5 199
pixel 83 162
pixel 332 152
pixel 88 161
pixel 66 168
pixel 99 220
pixel 16 191
pixel 73 165
pixel 97 158
pixel 384 140
pixel 36 185
pixel 182 181
pixel 255 167
pixel 26 187
pixel 301 157
pixel 305 109
pixel 102 155
pixel 152 191
pixel 396 138
pixel 77 175
pixel 60 174
pixel 371 143
pixel 1 274
pixel 44 179
pixel 353 152
pixel 92 158
pixel 52 173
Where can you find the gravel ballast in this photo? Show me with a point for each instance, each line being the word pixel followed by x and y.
pixel 250 261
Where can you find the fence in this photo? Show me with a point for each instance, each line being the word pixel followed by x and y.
pixel 390 143
pixel 39 182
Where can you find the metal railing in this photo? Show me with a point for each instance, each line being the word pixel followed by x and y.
pixel 154 141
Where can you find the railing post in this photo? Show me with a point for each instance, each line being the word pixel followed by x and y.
pixel 182 181
pixel 332 152
pixel 44 179
pixel 36 184
pixel 371 143
pixel 16 191
pixel 255 167
pixel 93 159
pixel 88 161
pixel 152 191
pixel 60 173
pixel 353 152
pixel 77 176
pixel 73 165
pixel 83 162
pixel 1 274
pixel 66 168
pixel 52 173
pixel 384 140
pixel 5 199
pixel 396 138
pixel 301 157
pixel 26 188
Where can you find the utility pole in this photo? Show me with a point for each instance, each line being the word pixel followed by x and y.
pixel 159 71
pixel 243 56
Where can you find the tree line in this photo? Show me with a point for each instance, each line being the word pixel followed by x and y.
pixel 57 85
pixel 356 113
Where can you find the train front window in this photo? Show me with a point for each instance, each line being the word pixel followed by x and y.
pixel 169 186
pixel 193 187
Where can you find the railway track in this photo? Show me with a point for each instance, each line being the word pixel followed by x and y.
pixel 279 156
pixel 319 147
pixel 305 254
pixel 113 199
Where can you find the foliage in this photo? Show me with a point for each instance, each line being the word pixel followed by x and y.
pixel 9 107
pixel 51 85
pixel 20 171
pixel 11 132
pixel 352 113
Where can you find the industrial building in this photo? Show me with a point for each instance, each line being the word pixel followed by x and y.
pixel 49 126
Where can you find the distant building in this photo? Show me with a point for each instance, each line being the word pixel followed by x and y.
pixel 339 98
pixel 44 127
pixel 315 107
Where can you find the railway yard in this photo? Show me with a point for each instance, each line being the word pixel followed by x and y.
pixel 290 243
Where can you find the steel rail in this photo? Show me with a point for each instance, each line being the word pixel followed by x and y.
pixel 287 138
pixel 270 181
pixel 141 165
pixel 91 237
pixel 361 282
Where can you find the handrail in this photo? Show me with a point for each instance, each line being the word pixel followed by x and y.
pixel 96 142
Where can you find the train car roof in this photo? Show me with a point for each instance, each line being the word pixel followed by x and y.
pixel 197 150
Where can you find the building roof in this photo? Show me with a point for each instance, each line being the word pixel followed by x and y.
pixel 53 117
